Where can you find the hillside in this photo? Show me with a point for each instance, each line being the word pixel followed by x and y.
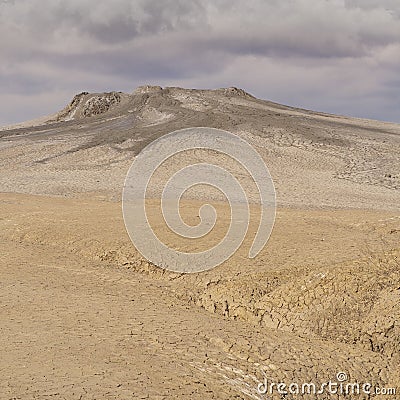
pixel 85 313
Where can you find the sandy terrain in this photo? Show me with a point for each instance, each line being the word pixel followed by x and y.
pixel 84 316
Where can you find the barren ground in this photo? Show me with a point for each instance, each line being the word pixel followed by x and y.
pixel 84 316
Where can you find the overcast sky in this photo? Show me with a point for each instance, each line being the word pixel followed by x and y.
pixel 339 56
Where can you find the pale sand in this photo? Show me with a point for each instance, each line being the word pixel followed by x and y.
pixel 84 316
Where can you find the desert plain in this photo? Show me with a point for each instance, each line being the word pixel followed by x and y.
pixel 85 316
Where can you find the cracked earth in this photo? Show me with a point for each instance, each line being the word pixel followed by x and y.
pixel 85 316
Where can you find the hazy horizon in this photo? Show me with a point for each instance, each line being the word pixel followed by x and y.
pixel 339 56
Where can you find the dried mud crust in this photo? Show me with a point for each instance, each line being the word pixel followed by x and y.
pixel 83 332
pixel 87 317
pixel 124 321
pixel 316 160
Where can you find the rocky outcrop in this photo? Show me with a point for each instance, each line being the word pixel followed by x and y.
pixel 69 111
pixel 234 91
pixel 147 89
pixel 100 104
pixel 86 105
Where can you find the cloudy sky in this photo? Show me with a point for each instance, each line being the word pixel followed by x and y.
pixel 339 56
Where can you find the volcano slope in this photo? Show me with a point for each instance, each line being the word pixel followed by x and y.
pixel 84 316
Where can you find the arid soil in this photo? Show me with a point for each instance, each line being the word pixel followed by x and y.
pixel 84 316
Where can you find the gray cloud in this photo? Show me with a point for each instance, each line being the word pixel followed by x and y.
pixel 335 55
